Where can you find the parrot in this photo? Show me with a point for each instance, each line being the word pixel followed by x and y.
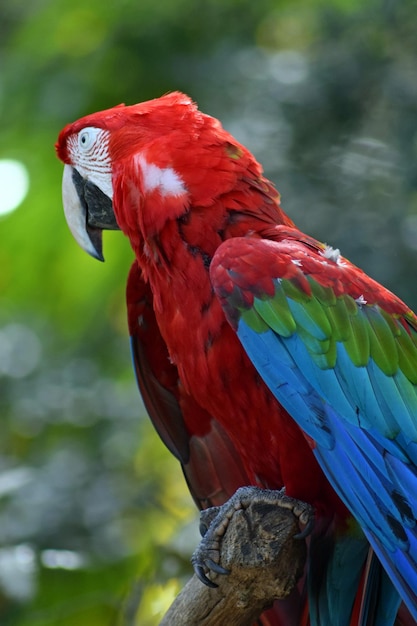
pixel 264 357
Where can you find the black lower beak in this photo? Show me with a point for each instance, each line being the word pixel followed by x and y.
pixel 98 210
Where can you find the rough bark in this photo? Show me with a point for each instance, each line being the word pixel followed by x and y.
pixel 265 560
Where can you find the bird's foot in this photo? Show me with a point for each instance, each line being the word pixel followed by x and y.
pixel 214 523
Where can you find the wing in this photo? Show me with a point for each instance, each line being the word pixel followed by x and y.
pixel 339 352
pixel 211 466
pixel 210 463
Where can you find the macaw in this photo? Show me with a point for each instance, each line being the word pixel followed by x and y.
pixel 263 356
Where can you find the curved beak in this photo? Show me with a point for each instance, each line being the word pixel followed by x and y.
pixel 88 211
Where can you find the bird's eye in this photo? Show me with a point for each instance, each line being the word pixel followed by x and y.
pixel 87 137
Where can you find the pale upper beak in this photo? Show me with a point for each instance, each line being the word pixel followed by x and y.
pixel 87 210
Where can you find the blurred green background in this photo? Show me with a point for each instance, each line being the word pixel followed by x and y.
pixel 96 526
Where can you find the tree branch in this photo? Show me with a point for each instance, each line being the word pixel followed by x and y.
pixel 265 562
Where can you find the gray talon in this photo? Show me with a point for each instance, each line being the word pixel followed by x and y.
pixel 201 575
pixel 218 569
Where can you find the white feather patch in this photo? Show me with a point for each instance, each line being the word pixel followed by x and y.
pixel 331 253
pixel 361 300
pixel 166 180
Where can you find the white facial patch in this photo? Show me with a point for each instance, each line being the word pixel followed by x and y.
pixel 166 180
pixel 89 152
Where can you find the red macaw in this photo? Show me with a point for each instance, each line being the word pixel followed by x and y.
pixel 264 357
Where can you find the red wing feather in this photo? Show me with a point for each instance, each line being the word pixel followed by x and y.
pixel 211 465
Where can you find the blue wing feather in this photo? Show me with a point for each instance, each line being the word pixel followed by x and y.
pixel 336 451
pixel 362 418
pixel 356 469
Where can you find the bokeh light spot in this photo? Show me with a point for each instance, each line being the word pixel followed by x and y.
pixel 14 185
pixel 20 350
pixel 62 559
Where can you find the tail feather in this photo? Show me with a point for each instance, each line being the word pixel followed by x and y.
pixel 352 589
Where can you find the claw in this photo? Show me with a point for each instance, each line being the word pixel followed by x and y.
pixel 306 531
pixel 215 567
pixel 201 575
pixel 203 528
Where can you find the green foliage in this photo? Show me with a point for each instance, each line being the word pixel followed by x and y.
pixel 324 93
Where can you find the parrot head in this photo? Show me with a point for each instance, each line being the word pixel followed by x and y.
pixel 143 167
pixel 97 145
